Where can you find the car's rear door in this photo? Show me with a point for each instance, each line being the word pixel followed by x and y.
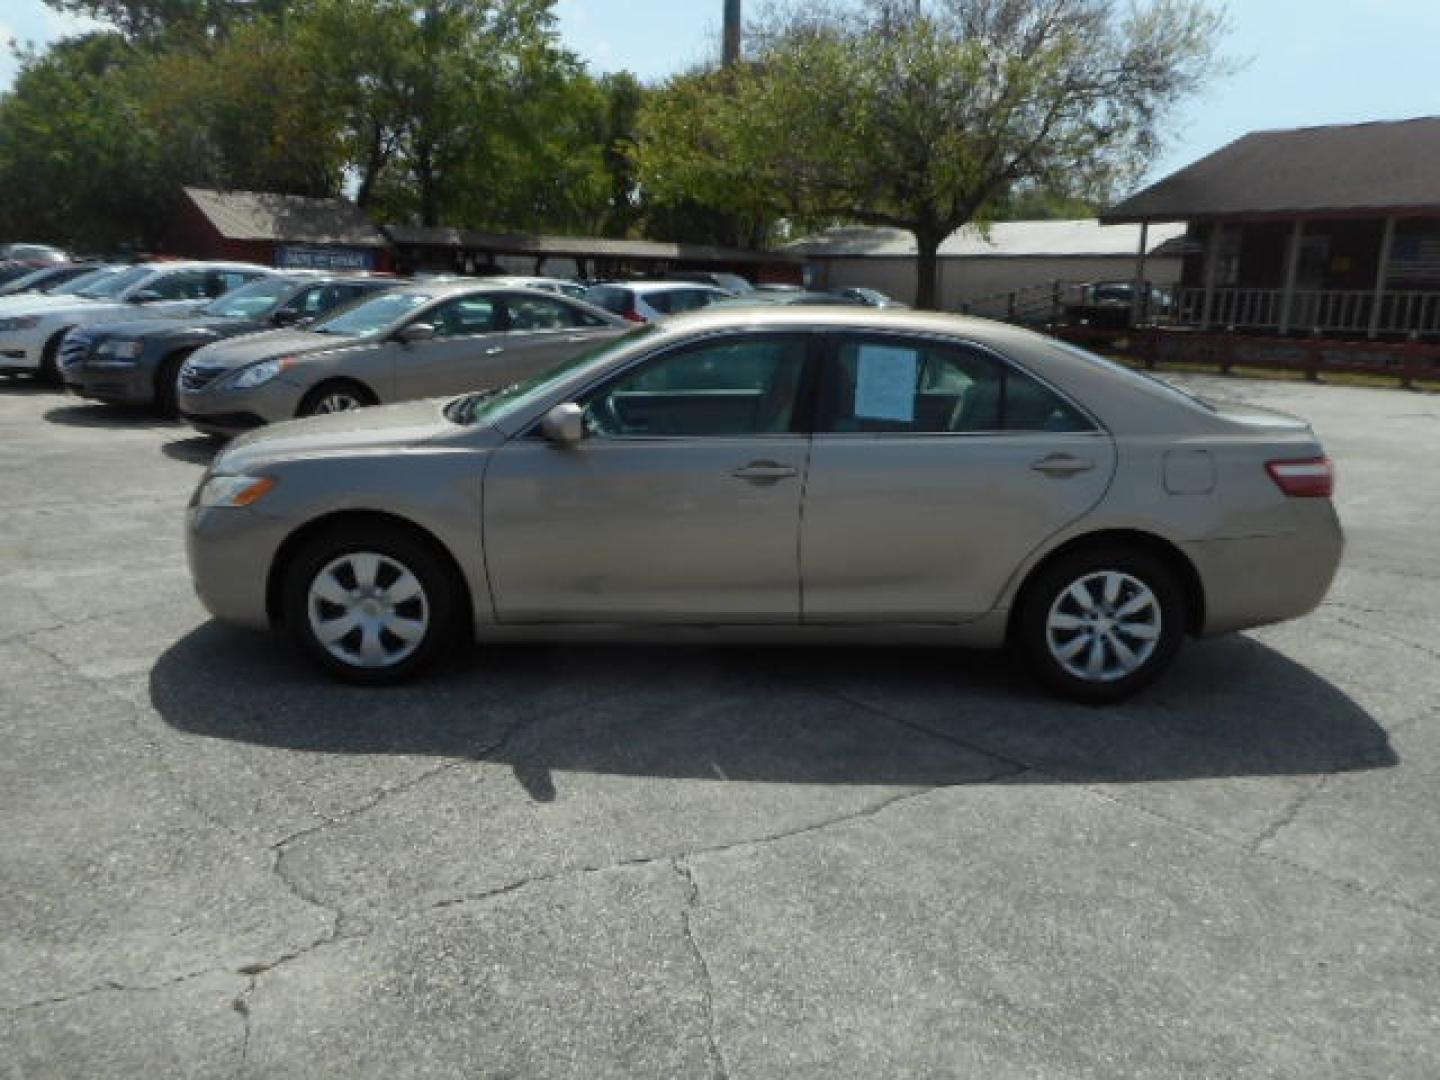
pixel 936 467
pixel 682 505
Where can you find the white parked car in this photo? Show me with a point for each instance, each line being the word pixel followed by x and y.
pixel 563 286
pixel 33 326
pixel 648 301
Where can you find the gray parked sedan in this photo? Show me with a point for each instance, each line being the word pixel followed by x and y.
pixel 823 474
pixel 424 340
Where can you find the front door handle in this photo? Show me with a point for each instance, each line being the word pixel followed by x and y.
pixel 765 472
pixel 495 350
pixel 577 338
pixel 1061 465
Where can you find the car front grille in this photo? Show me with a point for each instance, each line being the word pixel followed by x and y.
pixel 75 349
pixel 193 377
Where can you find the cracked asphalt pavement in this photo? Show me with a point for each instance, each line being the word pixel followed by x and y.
pixel 619 862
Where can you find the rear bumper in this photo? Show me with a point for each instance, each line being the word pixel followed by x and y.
pixel 1268 579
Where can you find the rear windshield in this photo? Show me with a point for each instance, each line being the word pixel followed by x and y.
pixel 611 298
pixel 1129 374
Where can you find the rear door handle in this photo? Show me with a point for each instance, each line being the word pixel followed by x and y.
pixel 1062 465
pixel 495 350
pixel 577 337
pixel 765 472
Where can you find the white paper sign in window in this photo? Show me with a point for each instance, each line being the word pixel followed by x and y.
pixel 885 381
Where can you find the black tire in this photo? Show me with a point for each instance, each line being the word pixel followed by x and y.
pixel 1160 623
pixel 48 373
pixel 167 378
pixel 395 547
pixel 312 404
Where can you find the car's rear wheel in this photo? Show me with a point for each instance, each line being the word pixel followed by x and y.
pixel 333 397
pixel 371 606
pixel 1099 624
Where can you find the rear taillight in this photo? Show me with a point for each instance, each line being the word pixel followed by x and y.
pixel 1310 478
pixel 632 315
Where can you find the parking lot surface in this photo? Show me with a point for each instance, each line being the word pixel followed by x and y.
pixel 619 862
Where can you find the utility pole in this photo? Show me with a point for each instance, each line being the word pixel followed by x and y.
pixel 731 54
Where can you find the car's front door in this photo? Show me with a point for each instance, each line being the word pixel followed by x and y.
pixel 545 331
pixel 936 467
pixel 682 504
pixel 466 352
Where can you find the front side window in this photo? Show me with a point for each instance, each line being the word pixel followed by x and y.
pixel 905 386
pixel 737 386
pixel 181 285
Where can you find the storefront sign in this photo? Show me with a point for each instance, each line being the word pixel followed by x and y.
pixel 325 258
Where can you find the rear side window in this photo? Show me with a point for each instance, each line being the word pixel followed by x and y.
pixel 884 384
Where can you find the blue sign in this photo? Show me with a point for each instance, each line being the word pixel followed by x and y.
pixel 324 258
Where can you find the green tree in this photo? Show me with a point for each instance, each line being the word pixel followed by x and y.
pixel 926 115
pixel 79 163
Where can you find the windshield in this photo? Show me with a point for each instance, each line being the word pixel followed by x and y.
pixel 250 301
pixel 85 280
pixel 114 284
pixel 490 406
pixel 34 278
pixel 1134 376
pixel 372 315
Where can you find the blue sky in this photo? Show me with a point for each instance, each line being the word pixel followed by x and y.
pixel 1309 61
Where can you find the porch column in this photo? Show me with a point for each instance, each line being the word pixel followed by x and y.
pixel 1292 270
pixel 1212 268
pixel 1140 295
pixel 1382 273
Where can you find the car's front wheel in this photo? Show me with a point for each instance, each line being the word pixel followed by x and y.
pixel 1099 624
pixel 372 606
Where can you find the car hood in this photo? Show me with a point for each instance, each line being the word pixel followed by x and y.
pixel 363 431
pixel 39 303
pixel 262 346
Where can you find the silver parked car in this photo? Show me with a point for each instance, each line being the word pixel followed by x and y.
pixel 422 340
pixel 822 474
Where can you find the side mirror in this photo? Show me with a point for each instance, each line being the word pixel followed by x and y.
pixel 286 317
pixel 146 296
pixel 564 425
pixel 419 331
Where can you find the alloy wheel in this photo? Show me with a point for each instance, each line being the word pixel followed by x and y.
pixel 1104 627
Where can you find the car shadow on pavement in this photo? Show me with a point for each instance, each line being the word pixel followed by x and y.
pixel 24 384
pixel 1231 707
pixel 97 414
pixel 196 450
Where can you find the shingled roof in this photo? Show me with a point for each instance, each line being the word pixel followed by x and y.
pixel 1384 166
pixel 263 215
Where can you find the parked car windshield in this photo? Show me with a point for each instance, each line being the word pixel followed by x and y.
pixel 490 406
pixel 116 283
pixel 372 315
pixel 250 301
pixel 84 281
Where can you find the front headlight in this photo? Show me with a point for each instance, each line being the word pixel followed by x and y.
pixel 234 490
pixel 259 374
pixel 22 322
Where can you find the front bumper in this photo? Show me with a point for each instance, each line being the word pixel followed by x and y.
pixel 228 412
pixel 223 424
pixel 230 552
pixel 127 385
